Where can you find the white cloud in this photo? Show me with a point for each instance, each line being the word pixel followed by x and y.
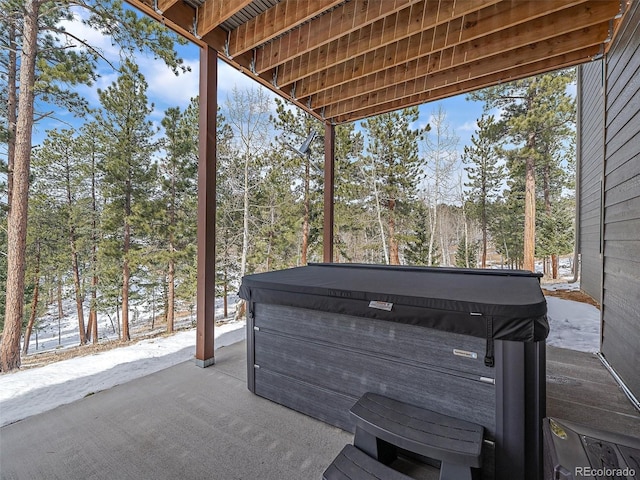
pixel 166 88
pixel 470 126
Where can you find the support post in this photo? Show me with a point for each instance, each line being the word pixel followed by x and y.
pixel 205 306
pixel 329 165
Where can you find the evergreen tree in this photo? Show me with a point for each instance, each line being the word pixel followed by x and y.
pixel 418 251
pixel 485 174
pixel 535 110
pixel 394 167
pixel 466 254
pixel 49 60
pixel 129 175
pixel 178 197
pixel 59 165
pixel 305 169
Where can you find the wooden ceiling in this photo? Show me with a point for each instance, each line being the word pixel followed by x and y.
pixel 347 60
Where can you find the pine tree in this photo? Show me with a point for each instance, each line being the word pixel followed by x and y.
pixel 47 62
pixel 178 195
pixel 418 250
pixel 535 110
pixel 485 174
pixel 394 167
pixel 129 174
pixel 59 165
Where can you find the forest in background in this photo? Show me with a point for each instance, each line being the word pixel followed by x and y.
pixel 112 205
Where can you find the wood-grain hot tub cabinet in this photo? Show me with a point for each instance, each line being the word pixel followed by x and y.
pixel 465 343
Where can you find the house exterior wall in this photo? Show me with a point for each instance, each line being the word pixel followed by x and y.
pixel 621 198
pixel 590 175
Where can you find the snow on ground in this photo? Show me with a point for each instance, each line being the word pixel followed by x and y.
pixel 28 392
pixel 573 325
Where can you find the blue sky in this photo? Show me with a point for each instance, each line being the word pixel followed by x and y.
pixel 167 90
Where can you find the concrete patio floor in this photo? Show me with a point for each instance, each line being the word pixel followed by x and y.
pixel 191 423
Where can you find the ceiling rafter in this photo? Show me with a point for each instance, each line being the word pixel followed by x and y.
pixel 212 13
pixel 532 34
pixel 343 20
pixel 564 60
pixel 502 62
pixel 350 59
pixel 372 37
pixel 164 5
pixel 275 21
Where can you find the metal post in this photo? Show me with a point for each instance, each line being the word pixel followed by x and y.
pixel 205 309
pixel 329 165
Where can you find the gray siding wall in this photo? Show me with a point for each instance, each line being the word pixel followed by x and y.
pixel 591 147
pixel 621 280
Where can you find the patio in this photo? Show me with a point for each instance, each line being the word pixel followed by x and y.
pixel 188 422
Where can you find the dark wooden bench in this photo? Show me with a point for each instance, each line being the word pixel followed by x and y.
pixel 354 464
pixel 383 425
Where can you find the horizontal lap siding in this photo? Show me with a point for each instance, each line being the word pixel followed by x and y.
pixel 621 283
pixel 592 153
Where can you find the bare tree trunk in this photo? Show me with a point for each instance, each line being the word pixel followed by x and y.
pixel 17 221
pixel 433 218
pixel 34 303
pixel 225 293
pixel 59 297
pixel 379 215
pixel 126 274
pixel 305 220
pixel 529 215
pixel 171 292
pixel 74 261
pixel 92 326
pixel 245 219
pixel 394 255
pixel 484 232
pixel 11 108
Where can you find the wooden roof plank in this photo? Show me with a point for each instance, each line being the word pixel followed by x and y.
pixel 430 49
pixel 341 21
pixel 417 19
pixel 564 60
pixel 416 84
pixel 212 13
pixel 411 57
pixel 276 21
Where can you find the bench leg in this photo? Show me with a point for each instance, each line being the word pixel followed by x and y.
pixel 451 471
pixel 382 451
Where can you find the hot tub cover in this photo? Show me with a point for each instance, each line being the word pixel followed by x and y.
pixel 492 304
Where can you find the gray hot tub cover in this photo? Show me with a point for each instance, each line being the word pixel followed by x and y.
pixel 491 304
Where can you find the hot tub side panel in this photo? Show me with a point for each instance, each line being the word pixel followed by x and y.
pixel 321 363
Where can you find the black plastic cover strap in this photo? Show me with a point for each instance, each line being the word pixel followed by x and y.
pixel 489 359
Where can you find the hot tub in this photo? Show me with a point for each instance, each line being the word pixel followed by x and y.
pixel 466 343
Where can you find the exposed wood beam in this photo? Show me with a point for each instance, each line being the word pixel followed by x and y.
pixel 164 5
pixel 340 21
pixel 206 235
pixel 499 63
pixel 385 32
pixel 179 25
pixel 275 21
pixel 410 59
pixel 214 12
pixel 181 14
pixel 554 63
